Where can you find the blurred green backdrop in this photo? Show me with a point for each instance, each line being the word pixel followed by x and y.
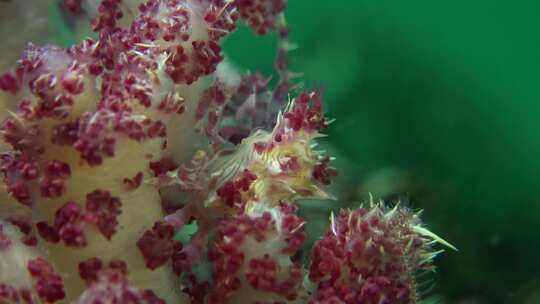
pixel 437 100
pixel 445 97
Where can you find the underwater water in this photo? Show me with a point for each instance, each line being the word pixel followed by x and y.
pixel 439 101
pixel 436 105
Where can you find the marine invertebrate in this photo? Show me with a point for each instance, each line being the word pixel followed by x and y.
pixel 371 255
pixel 101 161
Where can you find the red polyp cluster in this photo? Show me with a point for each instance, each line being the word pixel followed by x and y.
pixel 203 60
pixel 9 83
pixel 323 173
pixel 157 245
pixel 306 116
pixel 18 173
pixel 101 209
pixel 53 78
pixel 68 226
pixel 49 285
pixel 99 132
pixel 104 209
pixel 89 269
pixel 231 191
pixel 370 256
pixel 261 15
pixel 52 182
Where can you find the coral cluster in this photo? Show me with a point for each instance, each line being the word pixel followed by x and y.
pixel 112 146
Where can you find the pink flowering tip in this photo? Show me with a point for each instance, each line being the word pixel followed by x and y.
pixel 373 254
pixel 47 232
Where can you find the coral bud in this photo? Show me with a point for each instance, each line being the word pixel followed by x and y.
pixel 371 256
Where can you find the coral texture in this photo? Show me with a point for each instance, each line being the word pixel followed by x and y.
pixel 112 146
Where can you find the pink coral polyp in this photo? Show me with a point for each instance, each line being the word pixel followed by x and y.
pixel 370 256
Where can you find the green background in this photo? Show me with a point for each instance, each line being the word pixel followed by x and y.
pixel 440 100
pixel 437 100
